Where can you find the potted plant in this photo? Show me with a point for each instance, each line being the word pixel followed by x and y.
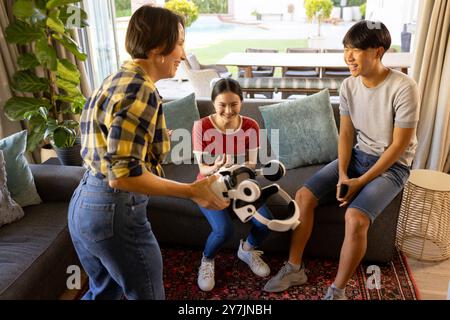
pixel 319 10
pixel 187 9
pixel 46 89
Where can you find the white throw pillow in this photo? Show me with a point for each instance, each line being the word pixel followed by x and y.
pixel 10 211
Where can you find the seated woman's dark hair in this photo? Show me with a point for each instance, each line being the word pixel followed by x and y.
pixel 226 85
pixel 367 34
pixel 150 28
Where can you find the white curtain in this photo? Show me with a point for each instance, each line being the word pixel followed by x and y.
pixel 431 71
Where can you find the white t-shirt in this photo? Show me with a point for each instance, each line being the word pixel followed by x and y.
pixel 375 112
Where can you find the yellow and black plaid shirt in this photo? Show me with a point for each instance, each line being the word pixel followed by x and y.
pixel 123 130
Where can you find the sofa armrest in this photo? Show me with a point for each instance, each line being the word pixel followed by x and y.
pixel 56 182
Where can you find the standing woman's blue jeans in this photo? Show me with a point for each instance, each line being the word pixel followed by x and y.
pixel 222 229
pixel 114 241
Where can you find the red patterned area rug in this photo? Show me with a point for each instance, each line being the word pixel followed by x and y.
pixel 234 280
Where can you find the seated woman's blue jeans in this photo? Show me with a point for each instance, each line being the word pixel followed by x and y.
pixel 114 241
pixel 222 229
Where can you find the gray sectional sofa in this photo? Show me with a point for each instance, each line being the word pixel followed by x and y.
pixel 180 222
pixel 36 250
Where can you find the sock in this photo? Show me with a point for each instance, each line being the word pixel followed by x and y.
pixel 247 246
pixel 337 290
pixel 294 267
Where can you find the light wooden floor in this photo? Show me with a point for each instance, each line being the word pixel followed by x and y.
pixel 432 278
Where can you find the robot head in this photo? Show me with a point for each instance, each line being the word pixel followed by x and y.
pixel 238 184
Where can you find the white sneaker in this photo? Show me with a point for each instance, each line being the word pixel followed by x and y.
pixel 254 261
pixel 205 279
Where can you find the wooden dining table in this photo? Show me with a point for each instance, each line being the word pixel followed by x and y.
pixel 246 60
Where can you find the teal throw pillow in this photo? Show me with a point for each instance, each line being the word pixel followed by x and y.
pixel 20 179
pixel 180 117
pixel 307 130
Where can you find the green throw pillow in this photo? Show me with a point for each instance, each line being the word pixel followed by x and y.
pixel 180 116
pixel 307 130
pixel 20 179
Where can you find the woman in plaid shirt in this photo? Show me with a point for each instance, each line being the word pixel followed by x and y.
pixel 124 140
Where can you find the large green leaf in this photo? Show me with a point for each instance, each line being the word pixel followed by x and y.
pixel 69 87
pixel 76 102
pixel 51 126
pixel 54 23
pixel 23 8
pixel 27 61
pixel 41 4
pixel 16 108
pixel 68 71
pixel 70 45
pixel 63 136
pixel 73 17
pixel 46 54
pixel 58 3
pixel 22 33
pixel 26 81
pixel 35 138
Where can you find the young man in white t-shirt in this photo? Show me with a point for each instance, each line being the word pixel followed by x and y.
pixel 382 106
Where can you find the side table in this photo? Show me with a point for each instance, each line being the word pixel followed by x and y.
pixel 423 230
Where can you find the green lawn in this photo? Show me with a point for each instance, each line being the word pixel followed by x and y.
pixel 215 52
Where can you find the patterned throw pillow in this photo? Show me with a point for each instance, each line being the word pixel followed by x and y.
pixel 10 211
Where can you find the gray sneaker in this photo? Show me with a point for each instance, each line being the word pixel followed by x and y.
pixel 286 278
pixel 333 294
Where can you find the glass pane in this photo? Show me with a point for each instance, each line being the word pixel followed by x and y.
pixel 102 44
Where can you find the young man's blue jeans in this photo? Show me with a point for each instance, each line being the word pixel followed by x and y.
pixel 222 229
pixel 114 241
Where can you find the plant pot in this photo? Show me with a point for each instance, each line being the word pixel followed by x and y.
pixel 356 13
pixel 47 152
pixel 316 42
pixel 347 13
pixel 70 156
pixel 335 13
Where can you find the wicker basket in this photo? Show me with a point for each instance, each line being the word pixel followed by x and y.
pixel 423 230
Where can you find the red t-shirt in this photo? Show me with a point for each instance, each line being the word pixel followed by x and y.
pixel 211 142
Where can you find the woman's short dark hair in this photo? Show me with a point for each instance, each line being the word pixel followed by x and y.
pixel 367 34
pixel 226 85
pixel 150 28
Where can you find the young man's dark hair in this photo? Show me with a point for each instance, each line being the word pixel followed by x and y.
pixel 367 34
pixel 150 28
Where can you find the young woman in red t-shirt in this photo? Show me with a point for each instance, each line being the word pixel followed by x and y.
pixel 222 139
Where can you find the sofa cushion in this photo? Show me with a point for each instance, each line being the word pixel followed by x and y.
pixel 10 211
pixel 181 114
pixel 307 131
pixel 33 250
pixel 20 179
